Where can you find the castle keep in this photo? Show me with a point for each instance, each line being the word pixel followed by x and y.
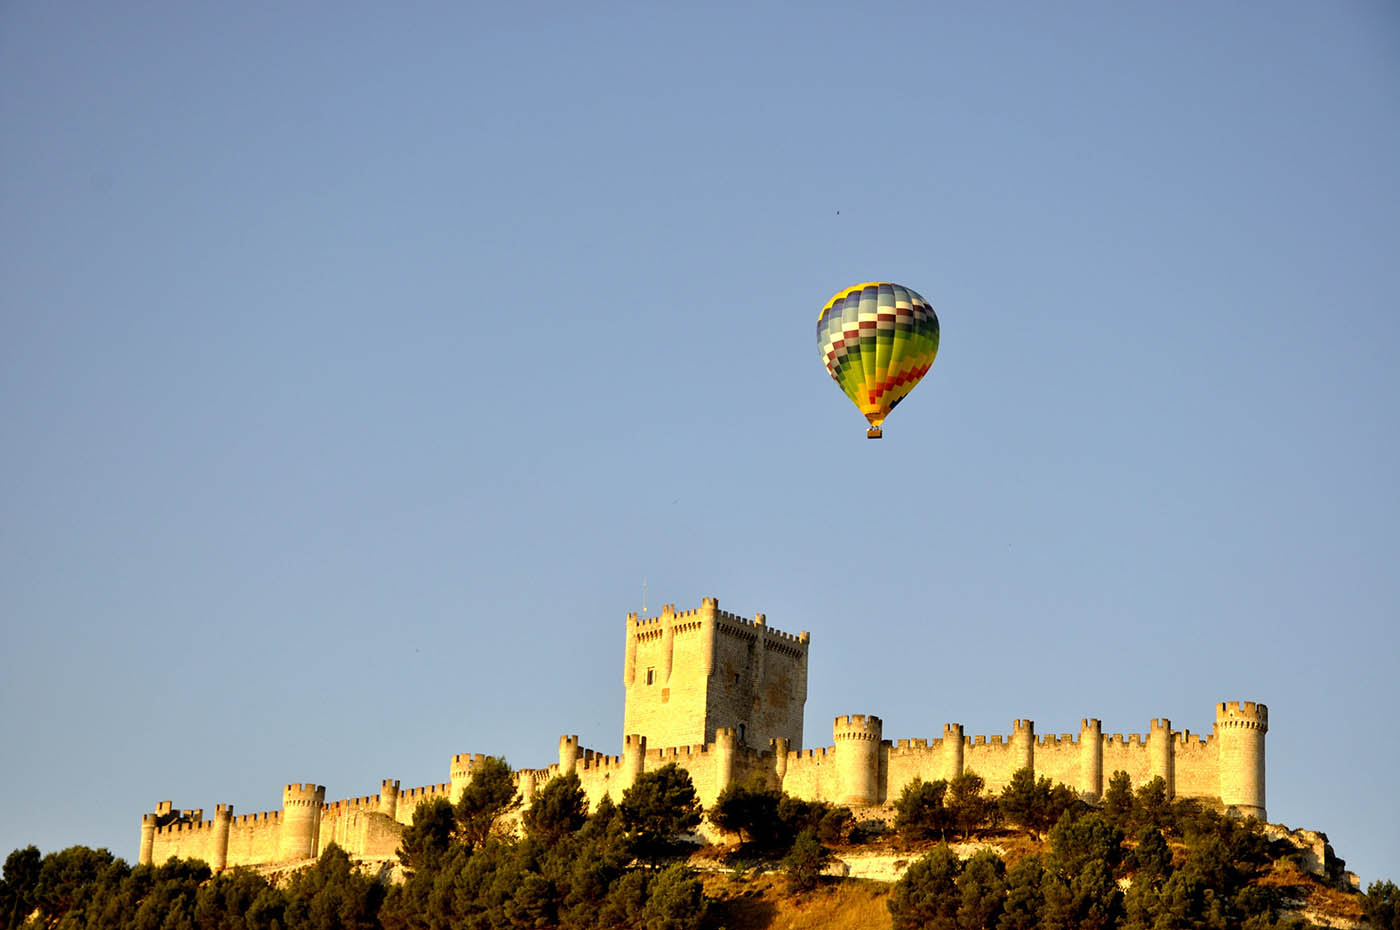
pixel 722 696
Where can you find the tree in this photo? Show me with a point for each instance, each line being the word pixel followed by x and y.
pixel 559 810
pixel 675 900
pixel 659 807
pixel 805 861
pixel 1035 805
pixel 926 897
pixel 1097 904
pixel 750 810
pixel 1152 859
pixel 17 888
pixel 1117 805
pixel 74 875
pixel 919 812
pixel 332 895
pixel 836 825
pixel 428 837
pixel 1024 896
pixel 981 891
pixel 1075 842
pixel 239 899
pixel 1381 905
pixel 490 794
pixel 968 809
pixel 1151 806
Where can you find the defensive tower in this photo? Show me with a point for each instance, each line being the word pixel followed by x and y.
pixel 858 739
pixel 689 673
pixel 1091 757
pixel 218 852
pixel 301 821
pixel 1161 751
pixel 389 797
pixel 1239 736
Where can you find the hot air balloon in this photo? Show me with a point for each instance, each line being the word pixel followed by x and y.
pixel 877 340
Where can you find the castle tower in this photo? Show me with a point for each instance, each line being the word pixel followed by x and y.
pixel 1091 757
pixel 1023 745
pixel 634 755
pixel 389 798
pixel 1239 734
pixel 526 781
pixel 952 750
pixel 780 747
pixel 300 831
pixel 218 853
pixel 568 753
pixel 689 673
pixel 858 740
pixel 148 839
pixel 461 772
pixel 726 745
pixel 1161 754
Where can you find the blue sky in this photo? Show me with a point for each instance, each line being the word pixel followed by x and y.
pixel 359 362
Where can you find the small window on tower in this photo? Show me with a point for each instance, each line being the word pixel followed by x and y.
pixel 741 732
pixel 651 676
pixel 736 678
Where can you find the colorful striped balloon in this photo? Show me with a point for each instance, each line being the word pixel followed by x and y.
pixel 877 340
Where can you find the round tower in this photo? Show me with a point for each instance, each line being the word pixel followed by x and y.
pixel 857 759
pixel 726 745
pixel 1161 754
pixel 709 608
pixel 389 798
pixel 526 781
pixel 1239 733
pixel 1091 757
pixel 781 746
pixel 629 664
pixel 461 772
pixel 148 839
pixel 568 753
pixel 300 822
pixel 952 750
pixel 218 855
pixel 1023 745
pixel 634 756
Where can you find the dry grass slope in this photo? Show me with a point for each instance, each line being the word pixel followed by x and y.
pixel 763 903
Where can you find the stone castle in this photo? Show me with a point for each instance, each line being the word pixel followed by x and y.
pixel 722 696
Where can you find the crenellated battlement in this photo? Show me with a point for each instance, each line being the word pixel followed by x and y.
pixel 677 753
pixel 185 826
pixel 303 795
pixel 857 726
pixel 1132 739
pixel 1051 740
pixel 728 623
pixel 1245 715
pixel 410 798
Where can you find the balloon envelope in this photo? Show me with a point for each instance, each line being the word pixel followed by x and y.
pixel 877 340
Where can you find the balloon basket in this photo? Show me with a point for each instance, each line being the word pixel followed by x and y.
pixel 874 433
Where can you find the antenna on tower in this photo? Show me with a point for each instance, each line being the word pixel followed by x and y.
pixel 644 596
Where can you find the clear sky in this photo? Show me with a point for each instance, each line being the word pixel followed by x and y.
pixel 358 362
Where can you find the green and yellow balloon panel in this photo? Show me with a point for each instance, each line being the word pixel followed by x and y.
pixel 877 340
